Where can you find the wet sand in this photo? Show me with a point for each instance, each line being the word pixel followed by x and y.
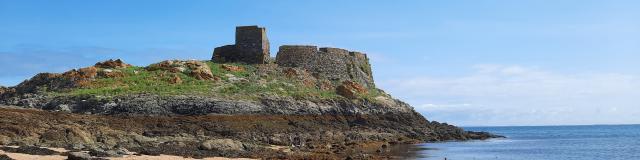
pixel 23 156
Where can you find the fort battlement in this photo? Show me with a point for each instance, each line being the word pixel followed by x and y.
pixel 335 64
pixel 252 46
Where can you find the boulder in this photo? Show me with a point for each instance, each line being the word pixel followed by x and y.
pixel 109 73
pixel 233 79
pixel 202 73
pixel 112 64
pixel 196 69
pixel 82 73
pixel 175 80
pixel 106 153
pixel 168 65
pixel 5 157
pixel 81 77
pixel 232 68
pixel 77 135
pixel 31 150
pixel 51 80
pixel 350 89
pixel 4 140
pixel 78 156
pixel 222 145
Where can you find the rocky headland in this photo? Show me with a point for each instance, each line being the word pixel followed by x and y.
pixel 307 103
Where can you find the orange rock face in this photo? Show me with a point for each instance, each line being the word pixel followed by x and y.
pixel 301 75
pixel 176 80
pixel 202 74
pixel 81 77
pixel 82 73
pixel 232 68
pixel 350 89
pixel 112 64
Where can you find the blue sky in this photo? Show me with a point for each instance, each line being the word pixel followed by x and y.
pixel 499 62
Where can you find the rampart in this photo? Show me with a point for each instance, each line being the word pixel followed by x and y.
pixel 334 64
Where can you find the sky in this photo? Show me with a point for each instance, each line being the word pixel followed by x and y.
pixel 464 62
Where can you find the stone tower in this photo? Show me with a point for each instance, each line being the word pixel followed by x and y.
pixel 335 64
pixel 252 47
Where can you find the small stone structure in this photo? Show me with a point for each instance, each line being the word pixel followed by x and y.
pixel 252 47
pixel 335 64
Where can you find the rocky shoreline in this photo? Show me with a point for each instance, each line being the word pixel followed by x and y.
pixel 274 128
pixel 148 104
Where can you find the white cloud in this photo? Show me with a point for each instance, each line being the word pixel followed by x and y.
pixel 517 95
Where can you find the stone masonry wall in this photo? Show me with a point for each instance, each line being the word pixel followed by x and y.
pixel 334 64
pixel 252 47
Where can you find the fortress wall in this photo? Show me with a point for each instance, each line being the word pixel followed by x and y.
pixel 296 55
pixel 334 64
pixel 225 54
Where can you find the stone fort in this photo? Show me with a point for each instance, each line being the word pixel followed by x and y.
pixel 335 64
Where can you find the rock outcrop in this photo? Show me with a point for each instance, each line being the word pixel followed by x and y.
pixel 71 79
pixel 351 89
pixel 3 90
pixel 196 69
pixel 112 64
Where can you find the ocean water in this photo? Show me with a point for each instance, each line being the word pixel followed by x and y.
pixel 595 142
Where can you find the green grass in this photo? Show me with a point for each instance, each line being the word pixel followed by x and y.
pixel 138 80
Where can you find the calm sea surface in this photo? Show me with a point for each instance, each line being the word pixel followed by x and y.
pixel 597 142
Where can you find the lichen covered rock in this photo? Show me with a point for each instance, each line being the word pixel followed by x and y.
pixel 110 73
pixel 232 68
pixel 3 90
pixel 222 145
pixel 112 64
pixel 175 80
pixel 196 69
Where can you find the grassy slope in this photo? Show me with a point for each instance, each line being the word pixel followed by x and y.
pixel 138 80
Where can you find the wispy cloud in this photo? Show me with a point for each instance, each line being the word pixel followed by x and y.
pixel 519 95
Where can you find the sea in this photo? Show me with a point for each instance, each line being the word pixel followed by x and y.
pixel 588 142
